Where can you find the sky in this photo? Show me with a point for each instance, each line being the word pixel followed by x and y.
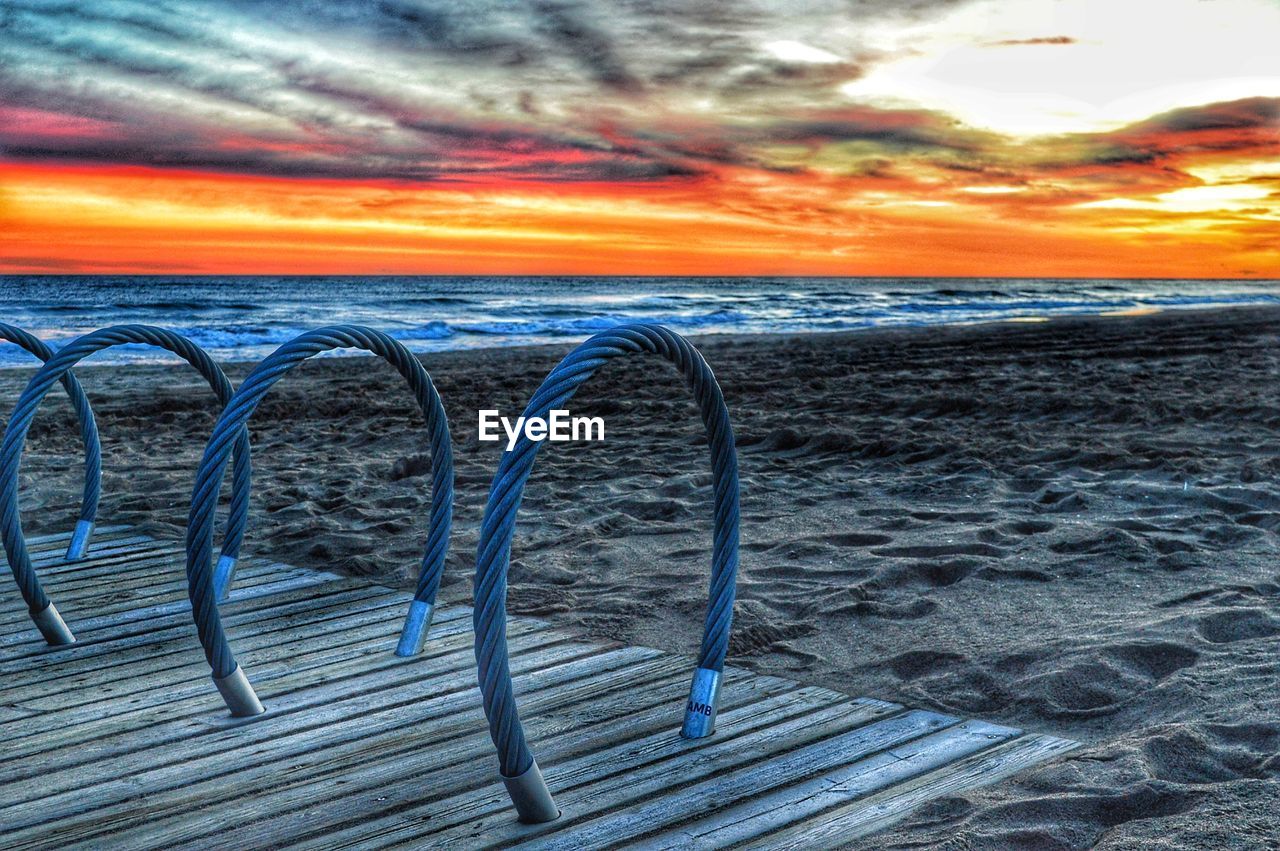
pixel 1028 138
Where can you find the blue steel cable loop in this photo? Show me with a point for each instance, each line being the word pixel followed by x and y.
pixel 516 763
pixel 227 675
pixel 43 612
pixel 88 435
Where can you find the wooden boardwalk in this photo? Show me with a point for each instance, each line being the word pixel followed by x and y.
pixel 120 741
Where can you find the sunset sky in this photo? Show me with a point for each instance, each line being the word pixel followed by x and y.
pixel 1108 138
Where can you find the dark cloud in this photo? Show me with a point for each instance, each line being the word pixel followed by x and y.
pixel 1149 150
pixel 475 30
pixel 901 129
pixel 768 77
pixel 1248 124
pixel 436 90
pixel 1015 42
pixel 464 166
pixel 1234 115
pixel 252 87
pixel 569 26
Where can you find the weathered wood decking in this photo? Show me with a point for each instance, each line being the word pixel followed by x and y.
pixel 121 741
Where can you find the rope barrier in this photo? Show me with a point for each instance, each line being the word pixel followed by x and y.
pixel 88 434
pixel 229 678
pixel 42 610
pixel 516 763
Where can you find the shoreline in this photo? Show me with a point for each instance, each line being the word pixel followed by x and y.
pixel 1066 526
pixel 244 319
pixel 236 367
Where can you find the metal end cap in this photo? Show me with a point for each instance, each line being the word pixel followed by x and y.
pixel 80 540
pixel 53 627
pixel 531 796
pixel 222 576
pixel 704 702
pixel 239 694
pixel 414 635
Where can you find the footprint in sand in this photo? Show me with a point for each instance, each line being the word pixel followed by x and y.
pixel 857 539
pixel 921 663
pixel 955 516
pixel 1237 625
pixel 1210 753
pixel 914 610
pixel 943 551
pixel 1100 685
pixel 939 574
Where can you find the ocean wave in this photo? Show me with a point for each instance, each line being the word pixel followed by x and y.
pixel 246 318
pixel 601 322
pixel 434 330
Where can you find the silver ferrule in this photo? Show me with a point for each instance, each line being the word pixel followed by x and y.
pixel 222 576
pixel 52 626
pixel 239 694
pixel 80 540
pixel 704 700
pixel 414 634
pixel 531 796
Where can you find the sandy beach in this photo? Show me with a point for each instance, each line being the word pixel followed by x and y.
pixel 1068 526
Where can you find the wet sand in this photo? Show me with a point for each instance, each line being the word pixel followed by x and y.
pixel 1067 526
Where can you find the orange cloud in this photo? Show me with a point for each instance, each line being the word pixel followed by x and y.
pixel 733 220
pixel 974 138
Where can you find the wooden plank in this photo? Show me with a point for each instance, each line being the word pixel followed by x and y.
pixel 451 764
pixel 419 737
pixel 179 696
pixel 134 720
pixel 114 595
pixel 121 740
pixel 806 801
pixel 127 565
pixel 423 689
pixel 12 713
pixel 125 570
pixel 95 710
pixel 103 531
pixel 844 824
pixel 124 565
pixel 577 758
pixel 104 640
pixel 700 776
pixel 110 640
pixel 122 560
pixel 327 692
pixel 307 608
pixel 148 616
pixel 176 661
pixel 58 541
pixel 116 566
pixel 126 593
pixel 299 771
pixel 53 558
pixel 90 609
pixel 297 579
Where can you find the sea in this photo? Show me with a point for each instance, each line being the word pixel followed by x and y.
pixel 245 318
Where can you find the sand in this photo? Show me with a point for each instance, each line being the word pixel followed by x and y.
pixel 1069 527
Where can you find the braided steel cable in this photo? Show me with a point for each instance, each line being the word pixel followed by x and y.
pixel 42 610
pixel 516 763
pixel 227 675
pixel 88 431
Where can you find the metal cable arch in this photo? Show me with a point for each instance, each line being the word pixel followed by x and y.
pixel 227 674
pixel 88 435
pixel 43 612
pixel 518 768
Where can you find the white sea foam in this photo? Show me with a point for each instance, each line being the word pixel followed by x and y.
pixel 239 319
